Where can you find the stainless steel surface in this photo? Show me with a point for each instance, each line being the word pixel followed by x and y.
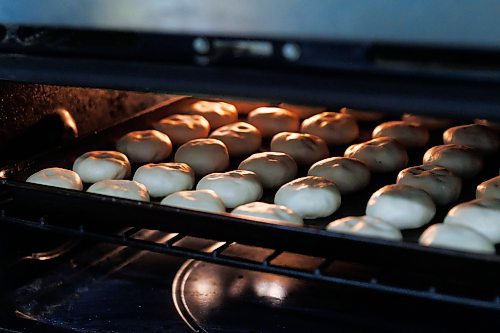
pixel 443 22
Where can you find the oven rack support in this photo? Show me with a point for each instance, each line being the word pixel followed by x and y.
pixel 216 253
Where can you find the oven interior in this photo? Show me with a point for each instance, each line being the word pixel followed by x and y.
pixel 87 263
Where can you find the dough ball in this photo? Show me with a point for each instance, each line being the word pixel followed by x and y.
pixel 489 189
pixel 99 165
pixel 380 154
pixel 365 226
pixel 246 106
pixel 202 200
pixel 310 197
pixel 145 146
pixel 125 189
pixel 235 187
pixel 411 135
pixel 363 116
pixel 182 128
pixel 481 215
pixel 349 174
pixel 333 127
pixel 476 136
pixel 303 111
pixel 403 206
pixel 165 178
pixel 217 113
pixel 203 155
pixel 273 169
pixel 432 123
pixel 456 237
pixel 462 160
pixel 494 125
pixel 57 177
pixel 271 121
pixel 304 148
pixel 440 183
pixel 240 138
pixel 267 211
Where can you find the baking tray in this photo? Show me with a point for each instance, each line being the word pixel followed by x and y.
pixel 85 208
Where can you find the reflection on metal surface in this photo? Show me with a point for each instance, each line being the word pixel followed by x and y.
pixel 52 254
pixel 68 122
pixel 270 289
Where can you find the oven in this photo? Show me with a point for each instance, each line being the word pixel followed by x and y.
pixel 76 77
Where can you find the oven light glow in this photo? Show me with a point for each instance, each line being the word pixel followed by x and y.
pixel 3 173
pixel 270 289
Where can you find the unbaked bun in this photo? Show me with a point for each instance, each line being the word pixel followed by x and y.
pixel 98 165
pixel 266 211
pixel 363 116
pixel 440 183
pixel 126 189
pixel 217 113
pixel 201 200
pixel 303 111
pixel 333 127
pixel 246 106
pixel 182 128
pixel 145 146
pixel 240 138
pixel 310 197
pixel 432 123
pixel 489 188
pixel 165 178
pixel 57 177
pixel 476 136
pixel 304 148
pixel 411 135
pixel 403 206
pixel 461 160
pixel 271 120
pixel 365 226
pixel 456 237
pixel 203 155
pixel 380 154
pixel 273 169
pixel 235 187
pixel 482 215
pixel 349 174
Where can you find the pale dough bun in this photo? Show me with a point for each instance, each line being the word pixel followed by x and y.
pixel 267 211
pixel 494 125
pixel 273 169
pixel 182 128
pixel 203 156
pixel 304 148
pixel 432 123
pixel 57 177
pixel 201 200
pixel 482 215
pixel 98 165
pixel 380 154
pixel 217 113
pixel 440 183
pixel 246 106
pixel 240 138
pixel 349 174
pixel 411 135
pixel 456 237
pixel 333 127
pixel 235 187
pixel 365 226
pixel 271 120
pixel 476 136
pixel 310 197
pixel 165 178
pixel 145 146
pixel 125 189
pixel 363 116
pixel 303 111
pixel 403 206
pixel 489 188
pixel 462 160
